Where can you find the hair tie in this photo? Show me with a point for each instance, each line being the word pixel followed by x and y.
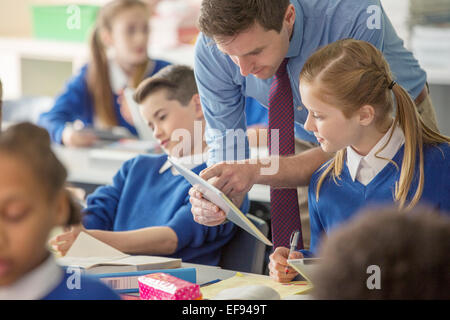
pixel 393 83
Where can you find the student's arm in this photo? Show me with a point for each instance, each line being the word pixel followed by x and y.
pixel 147 241
pixel 180 232
pixel 68 107
pixel 102 205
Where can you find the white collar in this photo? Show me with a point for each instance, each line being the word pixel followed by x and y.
pixel 36 284
pixel 118 77
pixel 355 160
pixel 189 162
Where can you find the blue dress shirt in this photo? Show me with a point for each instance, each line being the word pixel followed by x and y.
pixel 318 22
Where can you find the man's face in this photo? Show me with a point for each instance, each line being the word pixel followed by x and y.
pixel 258 51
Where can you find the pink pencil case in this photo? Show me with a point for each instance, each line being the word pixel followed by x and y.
pixel 163 286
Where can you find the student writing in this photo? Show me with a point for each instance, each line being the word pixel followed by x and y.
pixel 146 210
pixel 32 202
pixel 349 92
pixel 119 58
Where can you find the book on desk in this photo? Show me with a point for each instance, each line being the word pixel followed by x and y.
pixel 119 270
pixel 96 257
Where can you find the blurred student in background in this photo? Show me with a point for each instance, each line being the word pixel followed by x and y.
pixel 119 59
pixel 386 254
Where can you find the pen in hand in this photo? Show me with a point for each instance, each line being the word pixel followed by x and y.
pixel 294 241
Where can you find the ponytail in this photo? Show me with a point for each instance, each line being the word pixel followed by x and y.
pixel 99 84
pixel 417 133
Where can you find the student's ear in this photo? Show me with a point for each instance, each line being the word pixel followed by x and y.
pixel 366 115
pixel 197 106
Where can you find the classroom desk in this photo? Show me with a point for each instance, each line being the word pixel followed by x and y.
pixel 206 274
pixel 96 166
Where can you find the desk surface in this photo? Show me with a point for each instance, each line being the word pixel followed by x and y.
pixel 98 166
pixel 206 274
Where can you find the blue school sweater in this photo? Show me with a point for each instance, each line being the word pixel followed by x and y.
pixel 86 289
pixel 338 203
pixel 76 103
pixel 141 197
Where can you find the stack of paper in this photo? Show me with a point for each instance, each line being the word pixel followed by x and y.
pixel 97 257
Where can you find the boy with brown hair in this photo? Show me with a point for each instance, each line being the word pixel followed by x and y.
pixel 146 210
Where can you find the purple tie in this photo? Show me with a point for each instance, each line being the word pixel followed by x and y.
pixel 285 215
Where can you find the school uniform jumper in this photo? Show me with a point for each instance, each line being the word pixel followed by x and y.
pixel 140 196
pixel 49 281
pixel 338 203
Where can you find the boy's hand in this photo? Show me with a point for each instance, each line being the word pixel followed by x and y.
pixel 62 242
pixel 278 264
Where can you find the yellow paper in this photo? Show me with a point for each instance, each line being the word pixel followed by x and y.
pixel 239 280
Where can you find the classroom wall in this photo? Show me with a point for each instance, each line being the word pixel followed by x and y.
pixel 15 15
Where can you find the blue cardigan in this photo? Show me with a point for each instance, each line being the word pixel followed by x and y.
pixel 76 103
pixel 338 203
pixel 141 197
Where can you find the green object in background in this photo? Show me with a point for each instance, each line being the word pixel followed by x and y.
pixel 65 22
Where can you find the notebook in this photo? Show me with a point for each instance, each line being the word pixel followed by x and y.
pixel 306 267
pixel 95 256
pixel 221 200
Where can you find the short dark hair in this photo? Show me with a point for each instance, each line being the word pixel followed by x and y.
pixel 411 250
pixel 178 80
pixel 224 18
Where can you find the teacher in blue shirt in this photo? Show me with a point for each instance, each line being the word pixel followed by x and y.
pixel 242 44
